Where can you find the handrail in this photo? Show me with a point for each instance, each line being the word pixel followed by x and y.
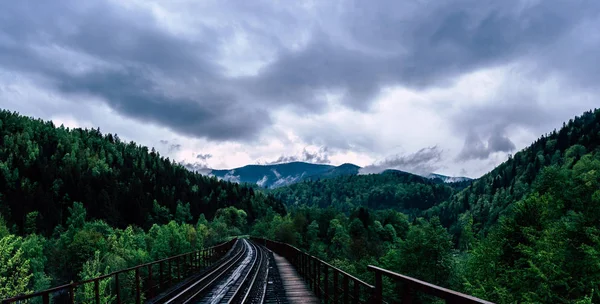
pixel 450 296
pixel 329 283
pixel 192 261
pixel 317 273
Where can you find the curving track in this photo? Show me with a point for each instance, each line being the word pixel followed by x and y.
pixel 240 277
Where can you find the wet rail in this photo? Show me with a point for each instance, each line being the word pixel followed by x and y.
pixel 238 278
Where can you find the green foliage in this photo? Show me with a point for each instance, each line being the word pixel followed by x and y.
pixel 3 229
pixel 15 274
pixel 393 189
pixel 77 216
pixel 33 247
pixel 46 169
pixel 492 195
pixel 548 247
pixel 182 213
pixel 425 254
pixel 31 222
pixel 92 269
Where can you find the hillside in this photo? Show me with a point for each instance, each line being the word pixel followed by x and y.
pixel 527 232
pixel 279 175
pixel 492 195
pixel 46 168
pixel 273 176
pixel 391 189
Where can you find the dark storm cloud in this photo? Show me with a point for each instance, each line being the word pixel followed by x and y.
pixel 134 60
pixel 424 161
pixel 143 71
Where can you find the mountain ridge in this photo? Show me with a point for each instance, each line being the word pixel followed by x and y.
pixel 278 175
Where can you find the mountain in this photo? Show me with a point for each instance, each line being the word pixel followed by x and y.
pixel 46 169
pixel 391 189
pixel 277 175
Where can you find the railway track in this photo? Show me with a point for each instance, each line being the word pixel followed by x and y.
pixel 240 277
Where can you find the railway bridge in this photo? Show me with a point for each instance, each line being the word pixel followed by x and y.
pixel 251 270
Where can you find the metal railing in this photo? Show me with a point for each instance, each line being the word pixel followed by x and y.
pixel 330 284
pixel 333 285
pixel 134 284
pixel 409 286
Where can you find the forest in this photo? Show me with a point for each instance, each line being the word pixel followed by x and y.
pixel 389 190
pixel 527 232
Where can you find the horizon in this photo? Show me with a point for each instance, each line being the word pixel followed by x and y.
pixel 449 87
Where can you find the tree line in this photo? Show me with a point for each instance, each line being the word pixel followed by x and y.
pixel 44 169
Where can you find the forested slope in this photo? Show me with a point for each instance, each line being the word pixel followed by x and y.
pixel 392 189
pixel 45 168
pixel 490 196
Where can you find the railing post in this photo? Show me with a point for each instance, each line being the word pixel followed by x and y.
pixel 335 286
pixel 326 286
pixel 97 291
pixel 303 265
pixel 346 291
pixel 406 295
pixel 138 298
pixel 170 273
pixel 184 266
pixel 378 288
pixel 178 268
pixel 356 294
pixel 72 293
pixel 161 282
pixel 117 289
pixel 314 274
pixel 46 298
pixel 318 291
pixel 150 281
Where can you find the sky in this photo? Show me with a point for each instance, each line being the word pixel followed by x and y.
pixel 424 86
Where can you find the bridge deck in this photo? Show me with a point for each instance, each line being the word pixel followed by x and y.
pixel 296 290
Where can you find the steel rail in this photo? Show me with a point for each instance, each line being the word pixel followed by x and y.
pixel 258 257
pixel 212 276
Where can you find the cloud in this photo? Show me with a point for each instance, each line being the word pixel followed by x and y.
pixel 152 70
pixel 198 167
pixel 174 147
pixel 261 182
pixel 204 156
pixel 422 162
pixel 277 174
pixel 319 156
pixel 224 79
pixel 475 148
pixel 231 177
